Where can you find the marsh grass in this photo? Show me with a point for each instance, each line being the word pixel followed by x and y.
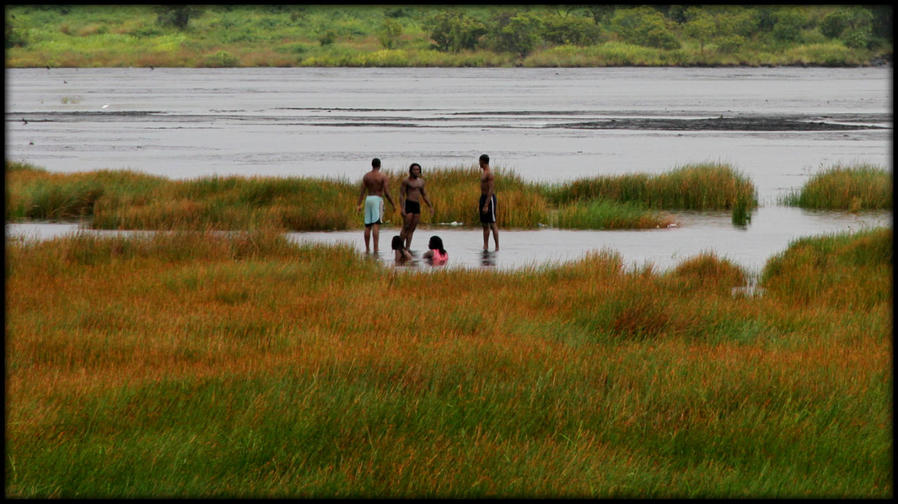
pixel 704 186
pixel 831 269
pixel 854 188
pixel 129 200
pixel 604 214
pixel 217 364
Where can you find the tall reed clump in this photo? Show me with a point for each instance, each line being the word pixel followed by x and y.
pixel 35 194
pixel 853 188
pixel 242 365
pixel 707 186
pixel 605 214
pixel 850 269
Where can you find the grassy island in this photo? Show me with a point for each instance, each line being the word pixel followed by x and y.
pixel 109 199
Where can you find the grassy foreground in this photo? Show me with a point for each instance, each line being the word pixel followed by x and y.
pixel 200 365
pixel 130 200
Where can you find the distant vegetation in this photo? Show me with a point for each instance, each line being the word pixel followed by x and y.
pixel 203 365
pixel 469 35
pixel 128 200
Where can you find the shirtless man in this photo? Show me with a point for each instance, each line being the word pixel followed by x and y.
pixel 375 184
pixel 487 205
pixel 411 192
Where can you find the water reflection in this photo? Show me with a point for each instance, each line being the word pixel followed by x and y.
pixel 487 258
pixel 770 232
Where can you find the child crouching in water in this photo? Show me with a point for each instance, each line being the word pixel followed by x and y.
pixel 437 255
pixel 400 253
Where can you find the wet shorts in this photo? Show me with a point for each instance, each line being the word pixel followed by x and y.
pixel 489 216
pixel 412 206
pixel 374 210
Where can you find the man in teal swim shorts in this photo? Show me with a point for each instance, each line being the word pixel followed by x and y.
pixel 375 184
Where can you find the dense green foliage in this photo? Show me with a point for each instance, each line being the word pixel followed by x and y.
pixel 468 35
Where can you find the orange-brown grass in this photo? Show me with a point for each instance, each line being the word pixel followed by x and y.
pixel 240 365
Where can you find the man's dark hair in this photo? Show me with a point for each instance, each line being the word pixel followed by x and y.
pixel 375 163
pixel 484 159
pixel 396 244
pixel 412 167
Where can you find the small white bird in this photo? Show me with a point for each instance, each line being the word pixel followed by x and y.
pixel 105 106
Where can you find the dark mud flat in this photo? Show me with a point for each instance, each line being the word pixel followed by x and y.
pixel 734 124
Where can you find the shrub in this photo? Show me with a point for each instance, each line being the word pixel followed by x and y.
pixel 176 15
pixel 573 30
pixel 644 26
pixel 389 33
pixel 789 23
pixel 515 33
pixel 221 59
pixel 834 23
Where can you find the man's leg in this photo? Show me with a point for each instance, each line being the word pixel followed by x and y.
pixel 495 234
pixel 376 235
pixel 486 237
pixel 367 239
pixel 412 225
pixel 404 232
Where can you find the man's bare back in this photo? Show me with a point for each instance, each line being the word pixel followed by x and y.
pixel 486 182
pixel 375 182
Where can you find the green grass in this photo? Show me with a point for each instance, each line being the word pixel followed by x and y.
pixel 604 214
pixel 205 365
pixel 854 188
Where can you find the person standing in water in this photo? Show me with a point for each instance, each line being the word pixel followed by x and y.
pixel 374 183
pixel 487 207
pixel 411 192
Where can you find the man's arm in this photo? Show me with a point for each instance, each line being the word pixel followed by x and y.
pixel 424 197
pixel 361 196
pixel 387 193
pixel 403 194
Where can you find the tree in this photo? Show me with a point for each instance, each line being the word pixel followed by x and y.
pixel 854 25
pixel 454 31
pixel 600 12
pixel 789 22
pixel 515 32
pixel 176 15
pixel 644 26
pixel 574 30
pixel 700 26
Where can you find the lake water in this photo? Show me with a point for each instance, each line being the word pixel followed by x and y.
pixel 778 126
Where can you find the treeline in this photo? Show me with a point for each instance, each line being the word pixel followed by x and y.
pixel 407 35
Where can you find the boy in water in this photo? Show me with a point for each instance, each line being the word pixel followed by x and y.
pixel 374 183
pixel 411 192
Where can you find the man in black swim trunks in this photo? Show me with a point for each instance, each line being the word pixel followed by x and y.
pixel 411 192
pixel 487 205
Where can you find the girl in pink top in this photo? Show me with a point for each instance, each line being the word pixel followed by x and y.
pixel 437 255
